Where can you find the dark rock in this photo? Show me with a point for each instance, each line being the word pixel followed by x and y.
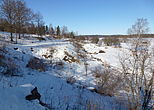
pixel 23 52
pixel 32 49
pixel 30 97
pixel 101 51
pixel 15 48
pixel 34 95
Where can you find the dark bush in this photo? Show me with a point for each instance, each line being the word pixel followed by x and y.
pixel 108 83
pixel 95 40
pixel 112 41
pixel 7 65
pixel 40 38
pixel 37 64
pixel 79 38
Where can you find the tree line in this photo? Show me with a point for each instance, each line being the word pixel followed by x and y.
pixel 16 17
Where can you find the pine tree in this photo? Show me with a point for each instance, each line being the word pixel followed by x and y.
pixel 46 29
pixel 58 31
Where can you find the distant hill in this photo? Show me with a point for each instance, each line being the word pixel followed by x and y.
pixel 118 36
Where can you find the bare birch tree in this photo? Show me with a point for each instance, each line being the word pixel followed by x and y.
pixel 8 13
pixel 137 68
pixel 23 15
pixel 39 22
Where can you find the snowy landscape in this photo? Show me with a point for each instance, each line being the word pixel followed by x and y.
pixel 63 84
pixel 47 67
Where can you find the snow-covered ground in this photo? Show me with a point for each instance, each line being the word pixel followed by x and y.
pixel 52 83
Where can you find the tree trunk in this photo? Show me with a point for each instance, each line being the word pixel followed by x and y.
pixel 19 35
pixel 16 38
pixel 19 30
pixel 11 36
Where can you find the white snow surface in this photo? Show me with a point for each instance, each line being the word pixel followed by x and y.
pixel 52 83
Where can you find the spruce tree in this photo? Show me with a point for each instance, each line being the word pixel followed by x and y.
pixel 58 31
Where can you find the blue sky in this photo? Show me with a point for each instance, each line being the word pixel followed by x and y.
pixel 95 16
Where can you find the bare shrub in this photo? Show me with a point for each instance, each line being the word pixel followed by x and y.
pixel 138 73
pixel 112 41
pixel 2 48
pixel 37 64
pixel 108 83
pixel 2 51
pixel 8 66
pixel 97 73
pixel 95 40
pixel 79 38
pixel 12 68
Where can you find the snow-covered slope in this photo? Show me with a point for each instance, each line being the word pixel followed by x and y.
pixel 62 62
pixel 52 83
